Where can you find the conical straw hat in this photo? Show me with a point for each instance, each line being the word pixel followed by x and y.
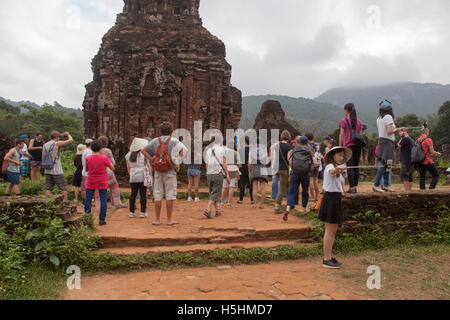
pixel 138 144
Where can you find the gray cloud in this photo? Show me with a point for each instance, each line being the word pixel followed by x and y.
pixel 292 47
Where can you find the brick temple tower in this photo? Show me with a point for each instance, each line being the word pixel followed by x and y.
pixel 158 63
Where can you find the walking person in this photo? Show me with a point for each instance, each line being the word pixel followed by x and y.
pixel 348 124
pixel 386 145
pixel 331 208
pixel 301 163
pixel 167 151
pixel 35 150
pixel 138 167
pixel 77 177
pixel 194 173
pixel 13 169
pixel 234 173
pixel 259 175
pixel 113 184
pixel 86 153
pixel 97 180
pixel 314 185
pixel 55 174
pixel 217 172
pixel 405 145
pixel 24 157
pixel 428 164
pixel 281 152
pixel 244 180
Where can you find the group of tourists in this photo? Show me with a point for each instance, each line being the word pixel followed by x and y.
pixel 37 154
pixel 296 165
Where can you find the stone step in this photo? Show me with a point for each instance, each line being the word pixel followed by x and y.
pixel 211 236
pixel 206 247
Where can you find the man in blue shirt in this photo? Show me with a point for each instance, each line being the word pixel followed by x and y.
pixel 405 146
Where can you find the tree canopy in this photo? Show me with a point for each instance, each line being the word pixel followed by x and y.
pixel 440 128
pixel 13 123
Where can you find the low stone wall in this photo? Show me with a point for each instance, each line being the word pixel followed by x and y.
pixel 400 206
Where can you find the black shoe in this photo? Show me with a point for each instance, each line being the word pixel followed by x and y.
pixel 336 262
pixel 286 216
pixel 218 213
pixel 207 214
pixel 352 191
pixel 102 223
pixel 330 264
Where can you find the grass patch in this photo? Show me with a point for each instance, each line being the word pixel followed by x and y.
pixel 37 282
pixel 107 262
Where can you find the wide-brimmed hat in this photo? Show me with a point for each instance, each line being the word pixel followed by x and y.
pixel 333 151
pixel 138 144
pixel 80 149
pixel 386 105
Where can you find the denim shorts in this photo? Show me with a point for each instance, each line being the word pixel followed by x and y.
pixel 194 172
pixel 13 177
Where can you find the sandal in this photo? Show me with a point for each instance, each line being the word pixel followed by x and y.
pixel 156 223
pixel 173 223
pixel 207 214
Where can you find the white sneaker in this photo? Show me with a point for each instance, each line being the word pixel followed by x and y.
pixel 197 199
pixel 375 189
pixel 190 199
pixel 143 215
pixel 132 215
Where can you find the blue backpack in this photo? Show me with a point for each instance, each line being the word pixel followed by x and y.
pixel 48 162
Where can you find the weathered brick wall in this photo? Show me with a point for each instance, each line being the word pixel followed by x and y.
pixel 397 205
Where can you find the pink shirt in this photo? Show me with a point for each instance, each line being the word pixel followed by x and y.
pixel 96 165
pixel 347 133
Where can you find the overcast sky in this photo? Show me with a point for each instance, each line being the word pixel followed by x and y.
pixel 299 48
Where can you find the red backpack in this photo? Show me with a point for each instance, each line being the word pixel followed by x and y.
pixel 4 166
pixel 162 162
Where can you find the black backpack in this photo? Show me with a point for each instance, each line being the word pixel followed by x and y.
pixel 417 154
pixel 301 160
pixel 356 137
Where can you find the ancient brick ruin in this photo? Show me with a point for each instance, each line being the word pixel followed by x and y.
pixel 271 117
pixel 158 63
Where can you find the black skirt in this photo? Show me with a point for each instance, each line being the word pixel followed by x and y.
pixel 331 208
pixel 76 180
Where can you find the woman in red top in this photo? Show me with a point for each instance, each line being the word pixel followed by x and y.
pixel 428 164
pixel 96 165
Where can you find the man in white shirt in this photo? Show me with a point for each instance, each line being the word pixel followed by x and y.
pixel 216 171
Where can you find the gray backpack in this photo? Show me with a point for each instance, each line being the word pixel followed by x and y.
pixel 417 154
pixel 301 160
pixel 48 162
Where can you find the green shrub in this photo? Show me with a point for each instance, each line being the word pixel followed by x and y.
pixel 39 239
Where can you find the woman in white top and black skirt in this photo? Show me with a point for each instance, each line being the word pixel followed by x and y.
pixel 331 208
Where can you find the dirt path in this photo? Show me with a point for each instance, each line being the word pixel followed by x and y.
pixel 293 280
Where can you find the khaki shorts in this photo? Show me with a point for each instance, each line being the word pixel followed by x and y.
pixel 165 186
pixel 233 183
pixel 215 182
